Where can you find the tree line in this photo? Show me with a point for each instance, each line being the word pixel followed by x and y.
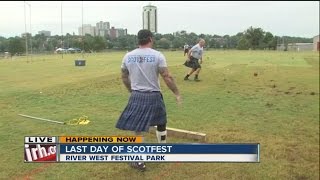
pixel 252 38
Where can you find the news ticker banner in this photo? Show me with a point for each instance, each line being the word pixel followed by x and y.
pixel 131 149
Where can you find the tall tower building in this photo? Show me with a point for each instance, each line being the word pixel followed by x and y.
pixel 150 18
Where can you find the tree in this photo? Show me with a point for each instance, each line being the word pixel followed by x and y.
pixel 157 36
pixel 202 36
pixel 98 43
pixel 169 37
pixel 226 41
pixel 254 36
pixel 178 42
pixel 243 44
pixel 132 41
pixel 53 43
pixel 193 38
pixel 268 40
pixel 234 40
pixel 274 43
pixel 88 43
pixel 39 42
pixel 3 44
pixel 109 44
pixel 164 43
pixel 183 32
pixel 67 40
pixel 16 45
pixel 213 43
pixel 77 42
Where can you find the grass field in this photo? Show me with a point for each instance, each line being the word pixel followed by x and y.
pixel 279 109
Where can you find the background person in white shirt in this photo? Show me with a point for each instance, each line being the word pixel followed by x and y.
pixel 185 49
pixel 195 59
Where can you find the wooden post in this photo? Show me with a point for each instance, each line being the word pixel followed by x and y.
pixel 179 133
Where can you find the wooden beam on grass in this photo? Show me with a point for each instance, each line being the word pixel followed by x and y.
pixel 180 133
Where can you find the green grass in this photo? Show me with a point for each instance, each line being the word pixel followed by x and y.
pixel 279 109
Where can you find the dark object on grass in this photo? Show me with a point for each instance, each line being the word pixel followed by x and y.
pixel 80 62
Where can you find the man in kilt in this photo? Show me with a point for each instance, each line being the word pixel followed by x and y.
pixel 140 75
pixel 185 49
pixel 195 59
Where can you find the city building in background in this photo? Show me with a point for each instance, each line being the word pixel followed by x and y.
pixel 45 33
pixel 115 33
pixel 87 29
pixel 102 28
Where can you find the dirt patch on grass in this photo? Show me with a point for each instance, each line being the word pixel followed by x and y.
pixel 313 93
pixel 269 104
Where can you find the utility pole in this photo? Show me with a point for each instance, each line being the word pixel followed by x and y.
pixel 25 28
pixel 30 29
pixel 82 34
pixel 62 33
pixel 30 35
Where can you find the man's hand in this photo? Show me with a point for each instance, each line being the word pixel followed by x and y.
pixel 168 79
pixel 200 61
pixel 178 99
pixel 125 78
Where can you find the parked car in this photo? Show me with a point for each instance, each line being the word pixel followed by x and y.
pixel 61 50
pixel 74 50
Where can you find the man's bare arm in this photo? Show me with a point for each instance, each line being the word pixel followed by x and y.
pixel 125 78
pixel 168 79
pixel 189 54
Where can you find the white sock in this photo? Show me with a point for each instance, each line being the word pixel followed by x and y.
pixel 162 134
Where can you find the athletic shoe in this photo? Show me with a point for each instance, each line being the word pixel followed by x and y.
pixel 196 79
pixel 138 165
pixel 186 78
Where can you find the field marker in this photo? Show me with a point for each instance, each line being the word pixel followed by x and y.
pixel 182 133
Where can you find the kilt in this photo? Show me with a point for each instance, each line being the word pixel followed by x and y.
pixel 144 109
pixel 193 63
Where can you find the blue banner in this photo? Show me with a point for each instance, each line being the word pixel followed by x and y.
pixel 159 148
